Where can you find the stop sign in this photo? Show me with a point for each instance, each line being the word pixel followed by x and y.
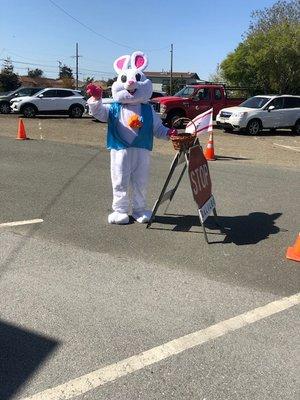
pixel 199 176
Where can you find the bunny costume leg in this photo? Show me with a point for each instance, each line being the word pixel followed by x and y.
pixel 129 166
pixel 139 181
pixel 120 166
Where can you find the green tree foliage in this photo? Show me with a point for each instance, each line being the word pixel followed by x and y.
pixel 8 79
pixel 35 73
pixel 66 72
pixel 268 59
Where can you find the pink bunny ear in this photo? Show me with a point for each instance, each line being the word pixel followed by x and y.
pixel 121 63
pixel 139 60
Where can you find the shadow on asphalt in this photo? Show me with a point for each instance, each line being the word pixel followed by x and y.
pixel 21 353
pixel 265 133
pixel 228 158
pixel 240 229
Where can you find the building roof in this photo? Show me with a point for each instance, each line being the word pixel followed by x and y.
pixel 166 74
pixel 43 82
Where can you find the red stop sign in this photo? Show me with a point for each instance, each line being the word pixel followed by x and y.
pixel 199 176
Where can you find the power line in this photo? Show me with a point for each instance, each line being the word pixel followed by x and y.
pixel 27 63
pixel 54 67
pixel 87 27
pixel 97 33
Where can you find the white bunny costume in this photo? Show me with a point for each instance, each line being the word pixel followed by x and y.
pixel 132 123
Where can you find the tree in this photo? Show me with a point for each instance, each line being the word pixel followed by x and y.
pixel 68 82
pixel 86 81
pixel 268 59
pixel 65 72
pixel 177 84
pixel 35 73
pixel 217 76
pixel 110 81
pixel 280 12
pixel 8 79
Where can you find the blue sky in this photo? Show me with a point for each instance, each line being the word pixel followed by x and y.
pixel 203 33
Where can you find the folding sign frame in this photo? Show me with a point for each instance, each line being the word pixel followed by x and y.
pixel 182 157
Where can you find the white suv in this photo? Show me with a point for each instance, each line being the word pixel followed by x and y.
pixel 262 112
pixel 50 101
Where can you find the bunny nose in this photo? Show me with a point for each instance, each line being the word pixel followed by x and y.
pixel 130 83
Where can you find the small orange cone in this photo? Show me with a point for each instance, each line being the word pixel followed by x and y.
pixel 293 253
pixel 209 153
pixel 21 135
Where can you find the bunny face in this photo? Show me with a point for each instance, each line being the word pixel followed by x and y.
pixel 131 86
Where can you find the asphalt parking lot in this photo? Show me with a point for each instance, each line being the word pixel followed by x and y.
pixel 91 311
pixel 280 148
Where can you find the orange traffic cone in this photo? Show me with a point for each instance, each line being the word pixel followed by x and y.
pixel 209 153
pixel 21 135
pixel 293 253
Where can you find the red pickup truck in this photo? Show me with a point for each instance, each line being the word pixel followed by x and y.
pixel 193 100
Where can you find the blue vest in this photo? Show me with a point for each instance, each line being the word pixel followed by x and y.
pixel 144 139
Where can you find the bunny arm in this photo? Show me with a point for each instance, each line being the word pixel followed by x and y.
pixel 101 112
pixel 159 130
pixel 98 110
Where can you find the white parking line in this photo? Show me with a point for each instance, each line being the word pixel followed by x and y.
pixel 294 148
pixel 95 379
pixel 17 223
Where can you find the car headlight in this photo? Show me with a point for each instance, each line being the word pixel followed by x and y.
pixel 239 114
pixel 163 108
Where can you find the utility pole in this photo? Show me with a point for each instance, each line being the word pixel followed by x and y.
pixel 171 70
pixel 76 59
pixel 59 67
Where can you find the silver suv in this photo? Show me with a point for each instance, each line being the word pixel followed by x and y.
pixel 50 101
pixel 20 92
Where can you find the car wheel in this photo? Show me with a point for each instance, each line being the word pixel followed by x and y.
pixel 5 108
pixel 76 112
pixel 254 127
pixel 296 128
pixel 29 111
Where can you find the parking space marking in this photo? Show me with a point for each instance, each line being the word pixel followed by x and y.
pixel 18 223
pixel 294 148
pixel 100 377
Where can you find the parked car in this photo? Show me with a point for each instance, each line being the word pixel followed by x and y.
pixel 5 98
pixel 50 101
pixel 262 112
pixel 193 100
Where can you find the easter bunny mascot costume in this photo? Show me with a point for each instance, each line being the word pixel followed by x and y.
pixel 132 123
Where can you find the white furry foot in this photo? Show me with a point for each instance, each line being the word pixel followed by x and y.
pixel 142 216
pixel 118 218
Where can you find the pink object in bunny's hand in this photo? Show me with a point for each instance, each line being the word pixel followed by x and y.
pixel 93 90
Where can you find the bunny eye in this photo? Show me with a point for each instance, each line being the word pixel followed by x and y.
pixel 123 78
pixel 138 77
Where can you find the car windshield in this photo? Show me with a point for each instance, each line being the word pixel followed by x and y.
pixel 255 102
pixel 187 91
pixel 37 93
pixel 9 93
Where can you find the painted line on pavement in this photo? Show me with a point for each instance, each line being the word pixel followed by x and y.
pixel 95 379
pixel 294 148
pixel 18 223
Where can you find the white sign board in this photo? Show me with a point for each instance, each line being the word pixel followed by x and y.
pixel 207 208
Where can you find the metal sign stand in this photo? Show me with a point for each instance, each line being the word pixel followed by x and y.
pixel 181 157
